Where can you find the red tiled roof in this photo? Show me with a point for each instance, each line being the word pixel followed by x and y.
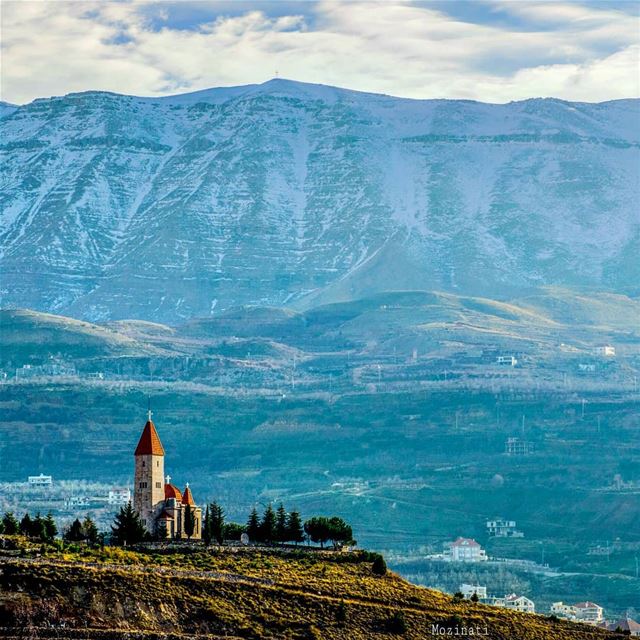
pixel 187 498
pixel 171 491
pixel 149 443
pixel 465 542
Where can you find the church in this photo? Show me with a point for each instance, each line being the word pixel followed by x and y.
pixel 162 507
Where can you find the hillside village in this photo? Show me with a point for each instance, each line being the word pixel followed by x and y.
pixel 158 510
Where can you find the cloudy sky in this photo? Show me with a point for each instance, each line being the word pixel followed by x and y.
pixel 490 50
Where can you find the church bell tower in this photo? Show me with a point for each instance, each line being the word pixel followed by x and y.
pixel 148 491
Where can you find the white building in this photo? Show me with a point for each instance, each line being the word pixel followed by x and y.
pixel 519 603
pixel 73 502
pixel 466 550
pixel 468 590
pixel 606 351
pixel 40 481
pixel 119 496
pixel 588 612
pixel 500 528
pixel 563 610
pixel 509 361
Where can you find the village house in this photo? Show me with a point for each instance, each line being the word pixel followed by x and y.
pixel 164 509
pixel 588 612
pixel 465 550
pixel 563 610
pixel 500 528
pixel 626 625
pixel 519 603
pixel 40 481
pixel 513 602
pixel 119 496
pixel 469 590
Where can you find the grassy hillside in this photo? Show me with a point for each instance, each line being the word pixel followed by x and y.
pixel 28 336
pixel 238 593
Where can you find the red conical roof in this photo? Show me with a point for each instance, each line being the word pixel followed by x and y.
pixel 149 443
pixel 187 498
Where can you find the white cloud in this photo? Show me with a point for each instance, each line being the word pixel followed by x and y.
pixel 51 48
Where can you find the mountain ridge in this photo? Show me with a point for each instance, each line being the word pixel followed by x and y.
pixel 288 194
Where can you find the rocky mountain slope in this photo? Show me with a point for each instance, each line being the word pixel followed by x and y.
pixel 115 594
pixel 292 194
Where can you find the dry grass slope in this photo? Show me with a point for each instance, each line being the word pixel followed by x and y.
pixel 244 593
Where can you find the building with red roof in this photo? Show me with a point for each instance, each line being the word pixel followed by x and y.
pixel 466 550
pixel 164 509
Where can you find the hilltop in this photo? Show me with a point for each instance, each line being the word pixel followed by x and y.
pixel 238 593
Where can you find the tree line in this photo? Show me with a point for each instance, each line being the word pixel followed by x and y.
pixel 277 526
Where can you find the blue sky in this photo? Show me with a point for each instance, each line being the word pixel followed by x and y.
pixel 490 50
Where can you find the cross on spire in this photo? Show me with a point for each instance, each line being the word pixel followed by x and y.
pixel 168 479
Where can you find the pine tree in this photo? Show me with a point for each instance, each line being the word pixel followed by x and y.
pixel 206 527
pixel 90 531
pixel 268 525
pixel 295 532
pixel 50 528
pixel 318 529
pixel 1 526
pixel 339 531
pixel 379 566
pixel 26 525
pixel 128 527
pixel 282 531
pixel 253 526
pixel 189 521
pixel 11 526
pixel 217 522
pixel 39 528
pixel 74 532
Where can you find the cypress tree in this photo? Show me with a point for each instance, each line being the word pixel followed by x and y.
pixel 206 527
pixel 282 531
pixel 189 521
pixel 11 526
pixel 295 532
pixel 253 526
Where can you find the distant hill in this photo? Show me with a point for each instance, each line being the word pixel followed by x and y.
pixel 429 321
pixel 27 335
pixel 290 194
pixel 248 594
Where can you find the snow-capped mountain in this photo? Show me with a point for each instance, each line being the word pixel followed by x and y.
pixel 291 194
